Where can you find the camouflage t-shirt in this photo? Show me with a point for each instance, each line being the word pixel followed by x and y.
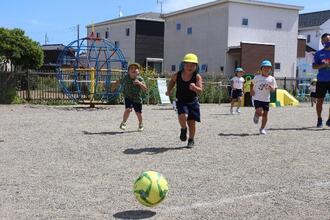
pixel 131 91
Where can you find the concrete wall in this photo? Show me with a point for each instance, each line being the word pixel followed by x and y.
pixel 262 29
pixel 208 39
pixel 117 32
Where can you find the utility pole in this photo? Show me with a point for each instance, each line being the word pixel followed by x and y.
pixel 78 35
pixel 160 2
pixel 46 39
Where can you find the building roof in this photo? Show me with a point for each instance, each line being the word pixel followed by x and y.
pixel 149 16
pixel 53 47
pixel 313 19
pixel 249 2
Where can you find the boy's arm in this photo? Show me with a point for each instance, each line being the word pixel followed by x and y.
pixel 252 93
pixel 273 86
pixel 318 64
pixel 171 84
pixel 198 88
pixel 142 85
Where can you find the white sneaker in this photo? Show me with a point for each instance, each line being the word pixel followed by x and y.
pixel 238 110
pixel 263 131
pixel 141 128
pixel 123 126
pixel 255 119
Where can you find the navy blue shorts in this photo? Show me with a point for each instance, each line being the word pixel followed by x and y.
pixel 322 88
pixel 129 104
pixel 236 93
pixel 191 109
pixel 263 105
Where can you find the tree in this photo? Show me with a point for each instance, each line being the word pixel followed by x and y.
pixel 19 49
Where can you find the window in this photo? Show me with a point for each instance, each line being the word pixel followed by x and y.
pixel 189 30
pixel 277 66
pixel 204 68
pixel 308 38
pixel 127 31
pixel 245 22
pixel 107 34
pixel 178 26
pixel 173 68
pixel 117 44
pixel 97 34
pixel 222 68
pixel 279 25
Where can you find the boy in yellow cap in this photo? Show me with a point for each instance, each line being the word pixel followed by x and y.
pixel 188 85
pixel 133 86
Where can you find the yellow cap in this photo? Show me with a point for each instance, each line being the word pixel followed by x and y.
pixel 190 58
pixel 314 80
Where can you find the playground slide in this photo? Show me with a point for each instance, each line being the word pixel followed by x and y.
pixel 285 98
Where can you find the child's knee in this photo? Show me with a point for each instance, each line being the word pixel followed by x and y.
pixel 128 110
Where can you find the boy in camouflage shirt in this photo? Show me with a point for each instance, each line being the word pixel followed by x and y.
pixel 133 86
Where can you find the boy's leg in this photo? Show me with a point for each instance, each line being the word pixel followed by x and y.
pixel 139 117
pixel 126 114
pixel 183 121
pixel 192 128
pixel 183 124
pixel 264 119
pixel 319 106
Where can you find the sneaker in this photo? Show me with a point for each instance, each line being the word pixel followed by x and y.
pixel 319 123
pixel 183 134
pixel 263 131
pixel 123 126
pixel 255 119
pixel 141 128
pixel 191 143
pixel 238 110
pixel 328 122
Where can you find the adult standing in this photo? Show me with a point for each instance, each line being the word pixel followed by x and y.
pixel 322 64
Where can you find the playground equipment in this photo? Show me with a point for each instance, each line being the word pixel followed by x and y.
pixel 284 98
pixel 89 70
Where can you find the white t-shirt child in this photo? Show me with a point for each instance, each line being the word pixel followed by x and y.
pixel 261 87
pixel 312 88
pixel 238 82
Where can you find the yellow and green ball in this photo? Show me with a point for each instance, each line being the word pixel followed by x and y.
pixel 150 188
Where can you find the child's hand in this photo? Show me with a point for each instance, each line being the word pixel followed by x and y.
pixel 192 86
pixel 136 82
pixel 168 93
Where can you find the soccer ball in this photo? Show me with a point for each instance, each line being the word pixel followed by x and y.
pixel 150 188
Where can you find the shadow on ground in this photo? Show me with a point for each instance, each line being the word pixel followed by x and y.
pixel 109 132
pixel 237 135
pixel 152 150
pixel 134 214
pixel 299 129
pixel 2 141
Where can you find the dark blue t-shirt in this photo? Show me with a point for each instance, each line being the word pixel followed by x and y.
pixel 321 57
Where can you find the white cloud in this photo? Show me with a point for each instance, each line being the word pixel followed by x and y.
pixel 173 5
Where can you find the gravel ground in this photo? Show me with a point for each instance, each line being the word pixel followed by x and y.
pixel 74 163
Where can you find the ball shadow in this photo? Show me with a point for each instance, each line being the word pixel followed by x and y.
pixel 135 214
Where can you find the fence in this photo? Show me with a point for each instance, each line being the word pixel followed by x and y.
pixel 44 87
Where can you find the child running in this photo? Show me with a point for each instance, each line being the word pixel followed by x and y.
pixel 188 85
pixel 237 90
pixel 133 86
pixel 312 89
pixel 261 86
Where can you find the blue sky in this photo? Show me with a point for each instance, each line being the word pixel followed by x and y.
pixel 58 18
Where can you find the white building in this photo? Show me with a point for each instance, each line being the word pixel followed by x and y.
pixel 313 25
pixel 140 37
pixel 230 33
